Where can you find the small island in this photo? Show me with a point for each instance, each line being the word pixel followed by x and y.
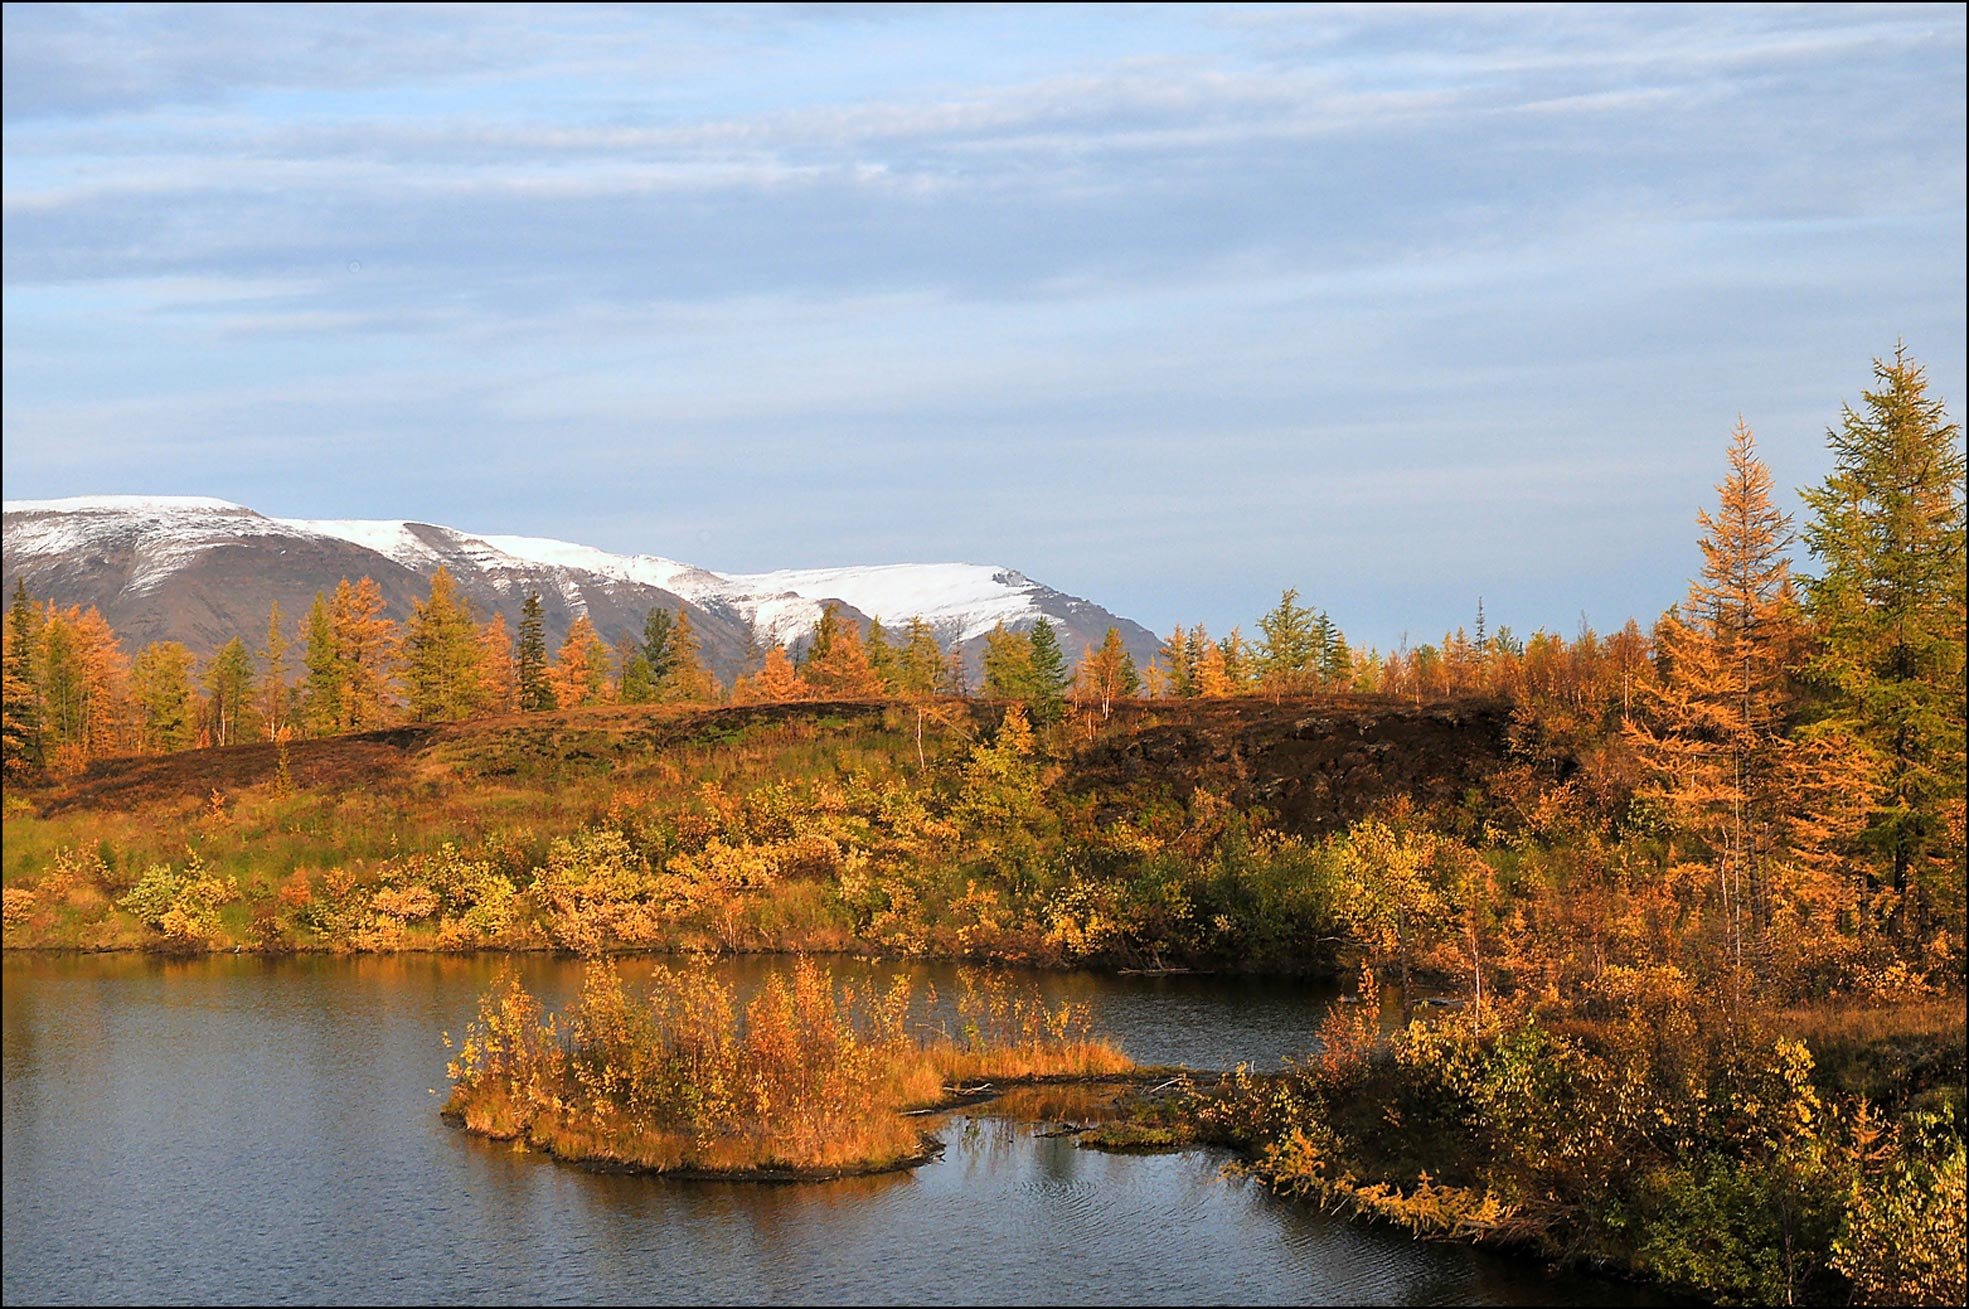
pixel 811 1080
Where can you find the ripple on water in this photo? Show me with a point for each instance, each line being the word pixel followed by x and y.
pixel 245 1131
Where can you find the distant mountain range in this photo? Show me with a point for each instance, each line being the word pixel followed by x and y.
pixel 202 571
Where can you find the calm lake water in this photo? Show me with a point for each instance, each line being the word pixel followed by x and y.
pixel 233 1129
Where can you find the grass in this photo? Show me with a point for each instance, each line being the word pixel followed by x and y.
pixel 1911 1054
pixel 1859 1024
pixel 472 781
pixel 809 1079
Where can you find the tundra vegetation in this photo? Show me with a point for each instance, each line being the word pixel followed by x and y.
pixel 1659 935
pixel 810 1078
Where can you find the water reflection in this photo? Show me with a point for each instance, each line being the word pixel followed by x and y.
pixel 244 1130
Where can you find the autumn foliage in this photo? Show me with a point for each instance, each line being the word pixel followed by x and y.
pixel 1595 974
pixel 809 1076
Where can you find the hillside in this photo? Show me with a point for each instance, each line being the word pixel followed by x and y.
pixel 1314 765
pixel 794 826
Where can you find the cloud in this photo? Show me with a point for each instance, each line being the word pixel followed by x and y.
pixel 1174 306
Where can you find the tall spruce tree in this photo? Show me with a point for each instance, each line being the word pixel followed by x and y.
pixel 1337 663
pixel 20 697
pixel 882 657
pixel 1050 677
pixel 658 624
pixel 1324 635
pixel 536 696
pixel 1886 530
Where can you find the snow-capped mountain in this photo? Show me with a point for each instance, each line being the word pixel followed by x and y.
pixel 201 571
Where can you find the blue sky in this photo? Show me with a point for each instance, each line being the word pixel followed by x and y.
pixel 1167 307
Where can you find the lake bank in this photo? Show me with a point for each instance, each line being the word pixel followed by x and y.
pixel 239 1129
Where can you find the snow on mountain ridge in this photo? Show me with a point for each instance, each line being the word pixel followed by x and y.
pixel 961 601
pixel 647 570
pixel 124 504
pixel 167 532
pixel 392 540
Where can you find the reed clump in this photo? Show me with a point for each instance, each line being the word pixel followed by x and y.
pixel 812 1076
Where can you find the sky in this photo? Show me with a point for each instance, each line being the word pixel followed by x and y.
pixel 1167 307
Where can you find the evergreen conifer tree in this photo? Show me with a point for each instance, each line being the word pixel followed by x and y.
pixel 530 673
pixel 883 657
pixel 1050 678
pixel 634 684
pixel 1194 645
pixel 20 697
pixel 1323 634
pixel 1337 664
pixel 1887 531
pixel 658 624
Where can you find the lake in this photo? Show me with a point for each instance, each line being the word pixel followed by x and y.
pixel 248 1130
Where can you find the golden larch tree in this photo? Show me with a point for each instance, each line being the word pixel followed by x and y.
pixel 365 645
pixel 776 682
pixel 495 655
pixel 1711 734
pixel 837 665
pixel 580 673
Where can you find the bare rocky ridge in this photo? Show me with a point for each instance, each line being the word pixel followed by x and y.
pixel 201 571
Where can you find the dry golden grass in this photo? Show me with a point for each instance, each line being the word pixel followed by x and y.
pixel 813 1079
pixel 1865 1024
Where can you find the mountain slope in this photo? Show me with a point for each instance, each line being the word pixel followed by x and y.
pixel 201 571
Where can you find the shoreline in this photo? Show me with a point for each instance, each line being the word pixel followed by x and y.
pixel 932 1148
pixel 870 952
